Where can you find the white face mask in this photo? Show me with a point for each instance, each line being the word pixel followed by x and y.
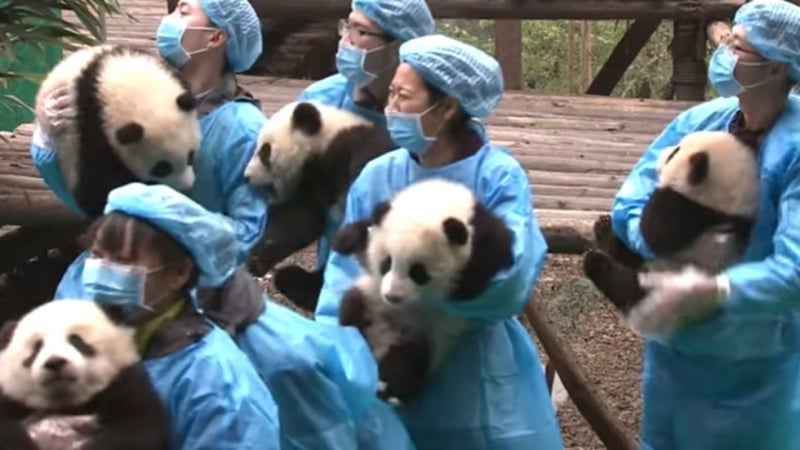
pixel 168 40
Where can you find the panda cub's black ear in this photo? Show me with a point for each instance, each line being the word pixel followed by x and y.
pixel 380 211
pixel 307 119
pixel 116 314
pixel 130 133
pixel 186 102
pixel 456 231
pixel 699 165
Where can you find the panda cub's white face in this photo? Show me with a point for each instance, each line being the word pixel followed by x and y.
pixel 293 135
pixel 63 353
pixel 423 242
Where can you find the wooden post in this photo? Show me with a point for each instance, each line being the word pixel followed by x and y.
pixel 688 60
pixel 508 51
pixel 611 433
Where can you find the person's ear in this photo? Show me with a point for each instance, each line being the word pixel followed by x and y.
pixel 179 275
pixel 217 39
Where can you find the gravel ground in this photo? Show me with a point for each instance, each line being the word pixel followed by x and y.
pixel 609 354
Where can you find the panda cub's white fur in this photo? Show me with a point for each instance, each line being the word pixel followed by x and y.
pixel 731 186
pixel 70 375
pixel 129 103
pixel 290 147
pixel 431 245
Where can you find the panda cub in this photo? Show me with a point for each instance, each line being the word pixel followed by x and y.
pixel 136 120
pixel 700 215
pixel 70 378
pixel 307 156
pixel 431 244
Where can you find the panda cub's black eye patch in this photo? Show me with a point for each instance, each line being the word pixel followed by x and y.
pixel 37 347
pixel 80 345
pixel 419 274
pixel 161 169
pixel 386 264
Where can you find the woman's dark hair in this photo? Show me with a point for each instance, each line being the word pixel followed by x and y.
pixel 126 235
pixel 458 125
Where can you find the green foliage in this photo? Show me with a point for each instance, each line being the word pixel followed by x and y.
pixel 39 23
pixel 545 48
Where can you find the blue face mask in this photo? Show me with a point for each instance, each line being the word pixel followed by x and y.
pixel 168 40
pixel 350 63
pixel 118 284
pixel 722 72
pixel 407 132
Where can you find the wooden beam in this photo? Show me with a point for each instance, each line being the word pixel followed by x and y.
pixel 610 431
pixel 623 55
pixel 521 9
pixel 688 59
pixel 508 51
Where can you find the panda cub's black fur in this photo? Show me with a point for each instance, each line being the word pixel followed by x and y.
pixel 136 120
pixel 433 243
pixel 700 215
pixel 308 155
pixel 70 378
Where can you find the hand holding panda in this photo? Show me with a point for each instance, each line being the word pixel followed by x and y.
pixel 70 379
pixel 697 221
pixel 433 243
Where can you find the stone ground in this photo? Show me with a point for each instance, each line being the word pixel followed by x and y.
pixel 609 354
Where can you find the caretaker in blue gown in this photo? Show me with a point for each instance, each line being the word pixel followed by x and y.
pixel 209 41
pixel 490 393
pixel 731 380
pixel 147 252
pixel 366 61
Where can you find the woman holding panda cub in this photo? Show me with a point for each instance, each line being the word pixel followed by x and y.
pixel 147 252
pixel 490 393
pixel 730 380
pixel 208 41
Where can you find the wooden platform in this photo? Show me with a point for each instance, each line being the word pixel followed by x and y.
pixel 577 149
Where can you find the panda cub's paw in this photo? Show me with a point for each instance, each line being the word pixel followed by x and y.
pixel 602 231
pixel 597 266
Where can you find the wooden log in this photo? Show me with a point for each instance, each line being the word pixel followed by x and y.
pixel 521 9
pixel 605 425
pixel 626 50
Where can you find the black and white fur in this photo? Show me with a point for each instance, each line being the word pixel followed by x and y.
pixel 308 154
pixel 433 242
pixel 136 120
pixel 700 216
pixel 70 379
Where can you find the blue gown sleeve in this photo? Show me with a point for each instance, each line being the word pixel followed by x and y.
pixel 628 204
pixel 45 159
pixel 773 284
pixel 244 207
pixel 342 270
pixel 222 405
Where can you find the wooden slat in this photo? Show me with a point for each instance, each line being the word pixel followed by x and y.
pixel 521 9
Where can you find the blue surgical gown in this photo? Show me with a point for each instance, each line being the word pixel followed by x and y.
pixel 336 91
pixel 323 378
pixel 215 398
pixel 731 382
pixel 229 135
pixel 490 394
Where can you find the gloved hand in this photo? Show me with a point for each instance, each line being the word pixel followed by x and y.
pixel 676 299
pixel 57 112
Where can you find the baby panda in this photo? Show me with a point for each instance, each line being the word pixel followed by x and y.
pixel 308 154
pixel 136 120
pixel 70 379
pixel 431 244
pixel 700 215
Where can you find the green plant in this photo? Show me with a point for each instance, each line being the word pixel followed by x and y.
pixel 37 23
